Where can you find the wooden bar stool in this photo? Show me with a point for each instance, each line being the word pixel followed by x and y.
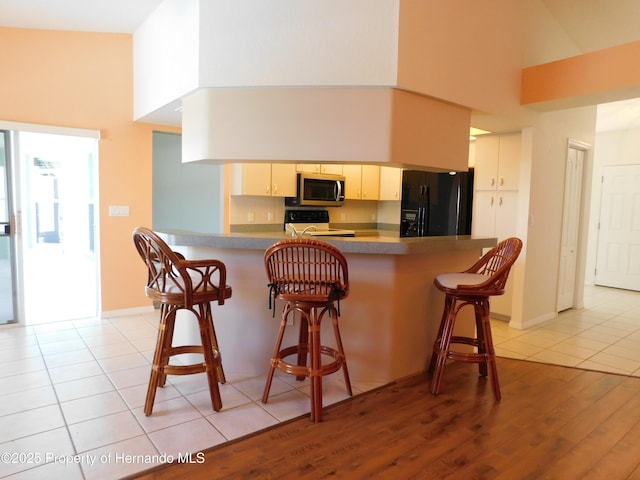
pixel 311 277
pixel 179 284
pixel 474 286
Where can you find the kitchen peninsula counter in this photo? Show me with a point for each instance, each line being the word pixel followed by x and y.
pixel 389 320
pixel 377 243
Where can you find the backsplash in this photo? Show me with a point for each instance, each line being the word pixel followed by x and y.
pixel 268 213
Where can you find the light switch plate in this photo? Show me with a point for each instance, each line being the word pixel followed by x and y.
pixel 118 210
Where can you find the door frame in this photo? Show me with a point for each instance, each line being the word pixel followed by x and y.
pixel 17 207
pixel 11 224
pixel 582 219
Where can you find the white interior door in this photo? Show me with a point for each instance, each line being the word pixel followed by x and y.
pixel 570 228
pixel 618 253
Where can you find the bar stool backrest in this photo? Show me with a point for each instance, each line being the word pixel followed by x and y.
pixel 496 265
pixel 173 280
pixel 166 277
pixel 301 269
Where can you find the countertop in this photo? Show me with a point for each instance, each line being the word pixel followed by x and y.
pixel 367 242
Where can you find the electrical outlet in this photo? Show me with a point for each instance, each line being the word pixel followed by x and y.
pixel 269 216
pixel 251 217
pixel 343 216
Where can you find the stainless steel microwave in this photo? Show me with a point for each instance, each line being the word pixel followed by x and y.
pixel 319 190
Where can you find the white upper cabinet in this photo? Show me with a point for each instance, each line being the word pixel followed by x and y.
pixel 263 179
pixel 497 162
pixel 496 176
pixel 390 183
pixel 329 168
pixel 362 182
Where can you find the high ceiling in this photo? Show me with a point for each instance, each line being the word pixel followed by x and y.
pixel 597 24
pixel 591 24
pixel 114 16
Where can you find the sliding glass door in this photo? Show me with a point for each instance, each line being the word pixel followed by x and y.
pixel 49 269
pixel 57 241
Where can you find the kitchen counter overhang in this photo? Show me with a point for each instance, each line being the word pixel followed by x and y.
pixel 379 244
pixel 388 322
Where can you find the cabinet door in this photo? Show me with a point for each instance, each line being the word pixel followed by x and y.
pixel 362 181
pixel 509 162
pixel 486 170
pixel 331 168
pixel 506 214
pixel 390 183
pixel 308 167
pixel 483 222
pixel 370 183
pixel 251 178
pixel 353 181
pixel 495 214
pixel 283 180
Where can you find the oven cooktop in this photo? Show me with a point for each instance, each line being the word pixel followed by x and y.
pixel 314 223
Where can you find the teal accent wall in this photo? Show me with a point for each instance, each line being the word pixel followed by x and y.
pixel 186 196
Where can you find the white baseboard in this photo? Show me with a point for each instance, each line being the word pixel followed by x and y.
pixel 532 322
pixel 126 312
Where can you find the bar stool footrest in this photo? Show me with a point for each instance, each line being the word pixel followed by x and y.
pixel 305 370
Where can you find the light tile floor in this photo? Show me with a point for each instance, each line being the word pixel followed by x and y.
pixel 604 336
pixel 72 392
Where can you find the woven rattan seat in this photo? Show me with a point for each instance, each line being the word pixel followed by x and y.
pixel 486 278
pixel 312 278
pixel 180 284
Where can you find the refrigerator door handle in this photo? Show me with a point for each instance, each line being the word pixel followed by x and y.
pixel 427 208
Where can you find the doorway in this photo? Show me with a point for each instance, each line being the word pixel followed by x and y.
pixel 571 215
pixel 55 215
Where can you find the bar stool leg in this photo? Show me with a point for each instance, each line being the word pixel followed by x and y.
pixel 206 312
pixel 304 339
pixel 170 312
pixel 276 352
pixel 480 336
pixel 315 354
pixel 158 359
pixel 490 351
pixel 211 356
pixel 443 343
pixel 336 331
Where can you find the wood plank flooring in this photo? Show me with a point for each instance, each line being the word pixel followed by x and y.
pixel 552 423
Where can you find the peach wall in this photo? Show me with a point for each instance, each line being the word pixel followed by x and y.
pixel 85 80
pixel 607 70
pixel 468 53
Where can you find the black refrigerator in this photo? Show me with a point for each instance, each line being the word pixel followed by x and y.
pixel 436 203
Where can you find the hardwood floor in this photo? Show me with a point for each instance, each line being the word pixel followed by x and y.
pixel 553 422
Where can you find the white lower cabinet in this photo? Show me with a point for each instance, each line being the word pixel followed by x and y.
pixel 495 213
